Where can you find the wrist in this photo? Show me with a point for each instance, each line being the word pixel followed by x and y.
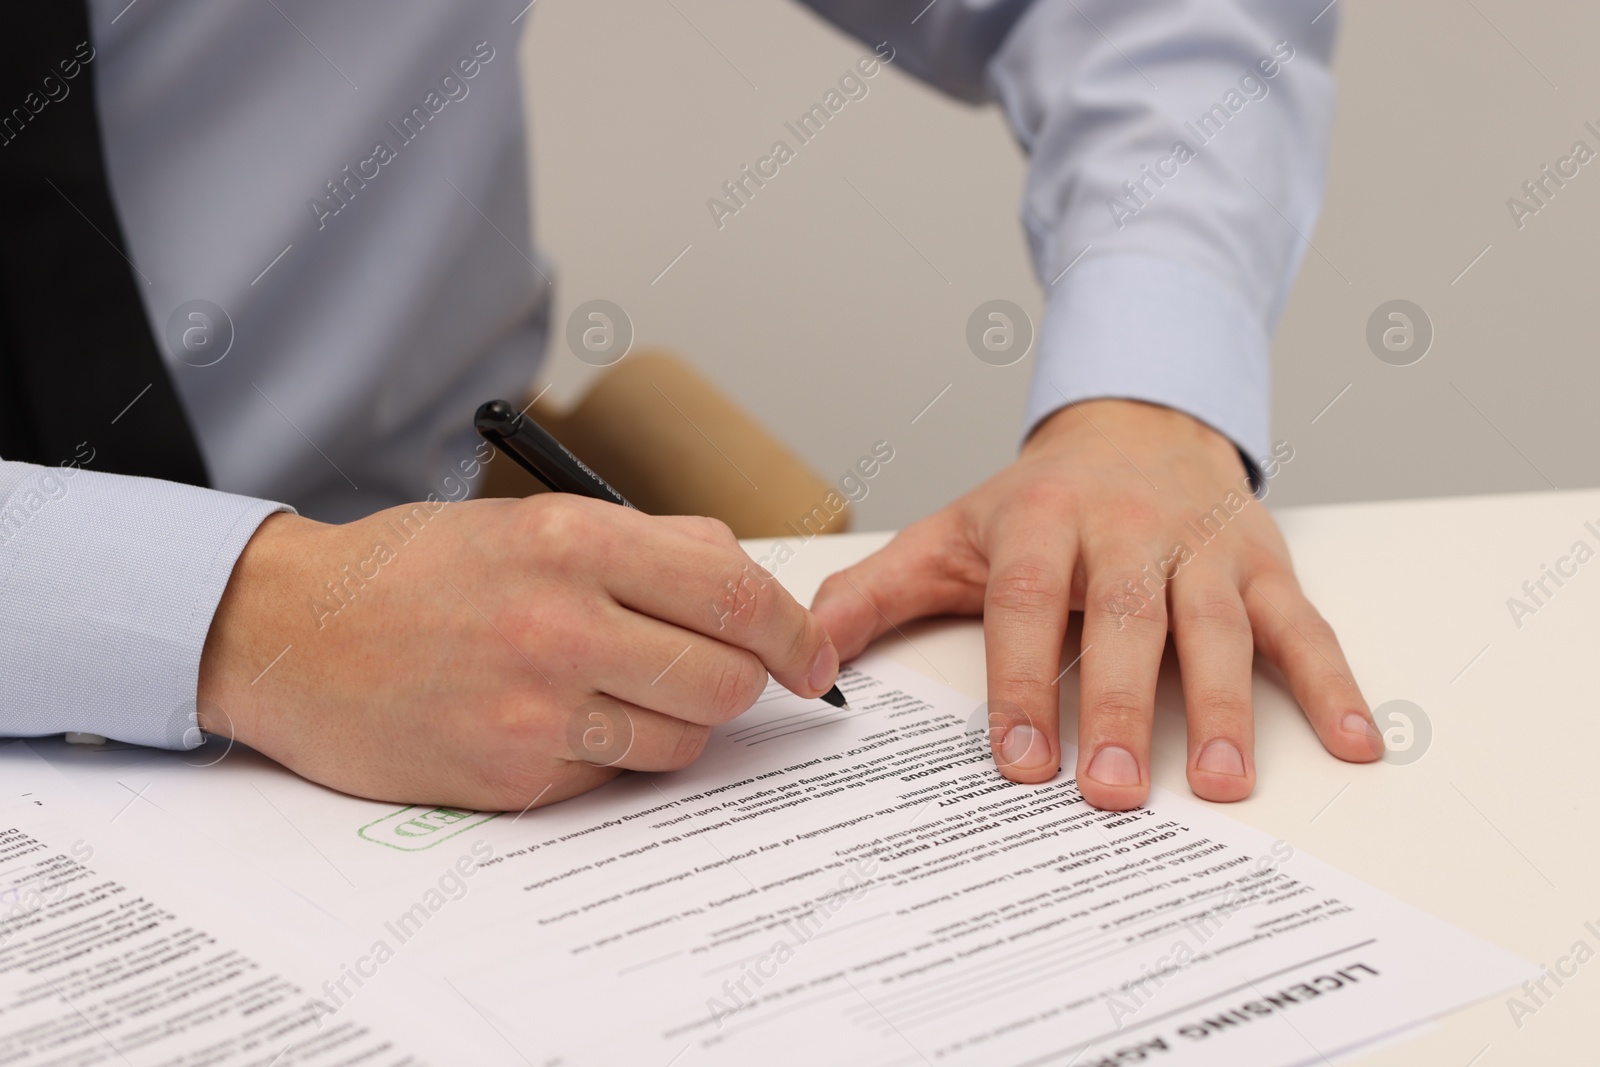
pixel 246 633
pixel 1132 425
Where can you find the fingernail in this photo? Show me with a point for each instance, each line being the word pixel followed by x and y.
pixel 1359 724
pixel 824 669
pixel 1221 757
pixel 1024 748
pixel 1114 766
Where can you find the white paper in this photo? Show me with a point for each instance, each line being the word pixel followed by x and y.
pixel 107 958
pixel 859 887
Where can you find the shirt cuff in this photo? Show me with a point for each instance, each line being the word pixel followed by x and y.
pixel 108 584
pixel 1141 327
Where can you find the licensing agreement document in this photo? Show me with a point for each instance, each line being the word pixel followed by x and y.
pixel 852 886
pixel 860 887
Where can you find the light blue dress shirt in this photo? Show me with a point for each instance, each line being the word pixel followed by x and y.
pixel 347 183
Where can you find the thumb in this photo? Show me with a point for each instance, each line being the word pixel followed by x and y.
pixel 928 569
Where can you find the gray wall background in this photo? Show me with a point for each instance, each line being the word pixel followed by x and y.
pixel 834 306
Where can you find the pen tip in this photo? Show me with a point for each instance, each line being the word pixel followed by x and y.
pixel 836 698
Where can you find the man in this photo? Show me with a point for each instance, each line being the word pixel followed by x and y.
pixel 349 183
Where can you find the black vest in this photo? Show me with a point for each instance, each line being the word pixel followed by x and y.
pixel 78 357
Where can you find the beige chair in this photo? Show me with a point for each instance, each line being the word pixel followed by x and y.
pixel 674 444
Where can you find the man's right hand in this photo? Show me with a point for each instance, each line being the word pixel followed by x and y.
pixel 497 654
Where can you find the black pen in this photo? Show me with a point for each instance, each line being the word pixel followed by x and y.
pixel 548 460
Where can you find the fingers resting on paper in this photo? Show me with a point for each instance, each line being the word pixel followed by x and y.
pixel 1143 519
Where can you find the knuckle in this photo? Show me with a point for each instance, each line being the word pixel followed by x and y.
pixel 690 745
pixel 759 615
pixel 1024 695
pixel 1275 584
pixel 1315 628
pixel 1215 610
pixel 804 642
pixel 834 585
pixel 1131 600
pixel 720 531
pixel 1136 512
pixel 541 512
pixel 1221 702
pixel 1028 587
pixel 1121 704
pixel 1265 561
pixel 554 521
pixel 738 681
pixel 742 601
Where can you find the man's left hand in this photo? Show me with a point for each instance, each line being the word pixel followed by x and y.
pixel 1104 512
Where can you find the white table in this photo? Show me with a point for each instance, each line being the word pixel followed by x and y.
pixel 1494 827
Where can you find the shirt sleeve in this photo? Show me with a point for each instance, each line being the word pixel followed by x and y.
pixel 108 585
pixel 1176 159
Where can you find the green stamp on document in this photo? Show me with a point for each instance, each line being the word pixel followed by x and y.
pixel 416 828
